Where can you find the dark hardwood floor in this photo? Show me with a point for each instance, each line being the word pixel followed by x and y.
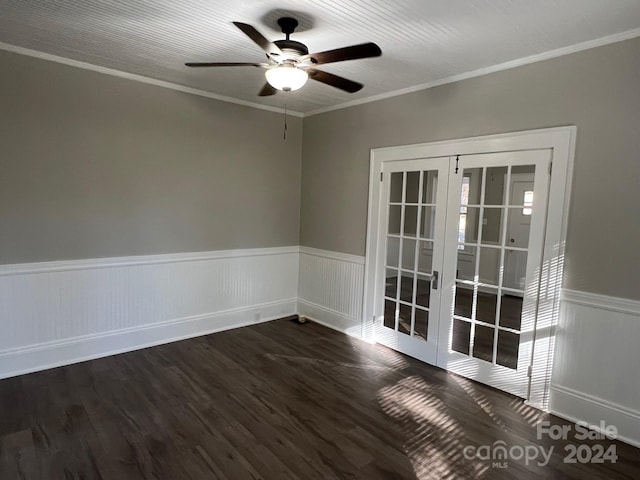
pixel 276 401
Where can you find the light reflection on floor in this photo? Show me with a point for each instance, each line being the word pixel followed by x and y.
pixel 435 440
pixel 429 417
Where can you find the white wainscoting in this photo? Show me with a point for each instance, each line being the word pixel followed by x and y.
pixel 331 289
pixel 595 373
pixel 57 313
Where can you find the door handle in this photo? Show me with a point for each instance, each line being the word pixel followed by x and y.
pixel 434 280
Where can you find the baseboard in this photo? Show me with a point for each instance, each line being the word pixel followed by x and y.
pixel 55 354
pixel 593 410
pixel 330 318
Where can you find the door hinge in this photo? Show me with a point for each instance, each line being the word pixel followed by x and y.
pixel 381 176
pixel 550 167
pixel 373 319
pixel 529 370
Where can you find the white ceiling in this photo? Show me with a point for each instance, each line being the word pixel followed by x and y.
pixel 423 41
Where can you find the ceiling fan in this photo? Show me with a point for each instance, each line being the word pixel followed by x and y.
pixel 290 64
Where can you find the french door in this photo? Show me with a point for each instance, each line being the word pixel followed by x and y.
pixel 413 235
pixel 463 239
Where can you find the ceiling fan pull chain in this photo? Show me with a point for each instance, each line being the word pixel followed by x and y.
pixel 284 137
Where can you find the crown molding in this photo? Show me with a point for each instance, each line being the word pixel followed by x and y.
pixel 141 78
pixel 578 47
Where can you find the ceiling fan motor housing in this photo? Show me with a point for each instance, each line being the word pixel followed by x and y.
pixel 292 49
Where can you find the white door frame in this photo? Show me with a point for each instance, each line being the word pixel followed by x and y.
pixel 562 142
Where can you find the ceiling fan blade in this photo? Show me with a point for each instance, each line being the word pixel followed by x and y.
pixel 226 64
pixel 334 80
pixel 267 90
pixel 269 47
pixel 354 52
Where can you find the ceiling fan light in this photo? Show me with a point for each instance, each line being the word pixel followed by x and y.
pixel 286 78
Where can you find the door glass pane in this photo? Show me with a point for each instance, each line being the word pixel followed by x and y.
pixel 429 186
pixel 519 174
pixel 423 291
pixel 463 299
pixel 489 270
pixel 468 225
pixel 413 184
pixel 494 186
pixel 475 184
pixel 515 269
pixel 408 254
pixel 391 283
pixel 518 228
pixel 404 319
pixel 466 266
pixel 511 312
pixel 517 169
pixel 410 221
pixel 522 183
pixel 492 226
pixel 464 192
pixel 483 343
pixel 460 336
pixel 527 208
pixel 421 324
pixel 394 219
pixel 396 188
pixel 508 346
pixel 427 222
pixel 486 306
pixel 389 314
pixel 393 251
pixel 406 288
pixel 425 256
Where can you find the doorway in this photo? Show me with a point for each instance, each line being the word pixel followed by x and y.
pixel 457 248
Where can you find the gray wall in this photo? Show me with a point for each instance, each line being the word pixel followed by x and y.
pixel 96 166
pixel 598 90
